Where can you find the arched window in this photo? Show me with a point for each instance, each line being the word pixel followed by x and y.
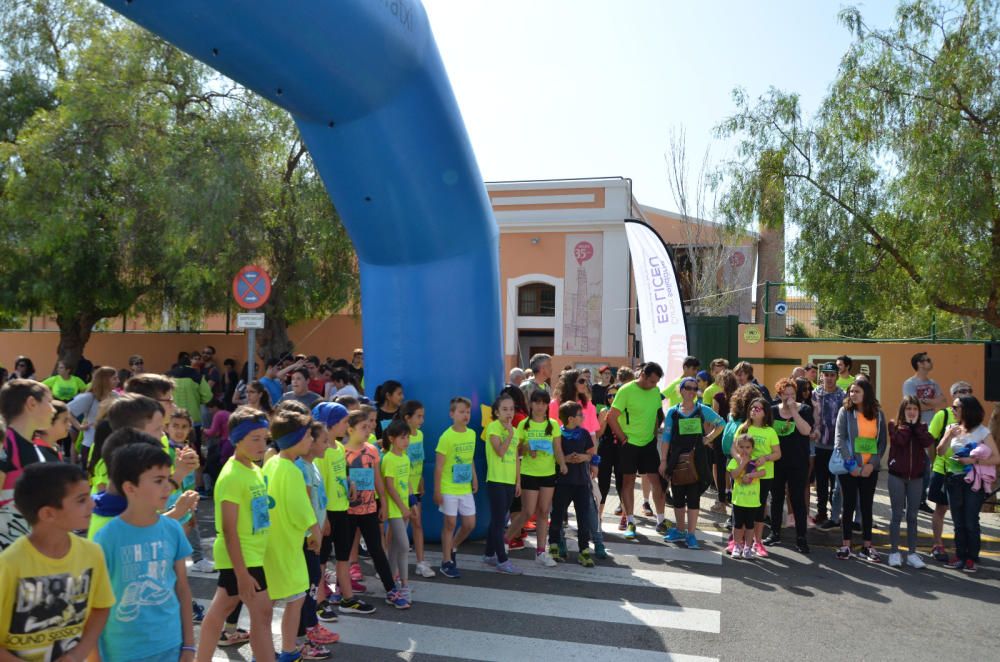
pixel 536 300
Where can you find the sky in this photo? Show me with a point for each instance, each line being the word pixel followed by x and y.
pixel 591 88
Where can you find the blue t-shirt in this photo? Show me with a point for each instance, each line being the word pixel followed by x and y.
pixel 274 389
pixel 576 440
pixel 707 413
pixel 146 620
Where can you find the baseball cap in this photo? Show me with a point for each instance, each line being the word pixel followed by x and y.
pixel 828 367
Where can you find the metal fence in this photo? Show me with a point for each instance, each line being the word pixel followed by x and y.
pixel 790 314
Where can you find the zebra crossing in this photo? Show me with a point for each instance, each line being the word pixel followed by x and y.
pixel 648 601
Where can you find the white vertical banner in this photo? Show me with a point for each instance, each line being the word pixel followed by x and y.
pixel 661 313
pixel 582 295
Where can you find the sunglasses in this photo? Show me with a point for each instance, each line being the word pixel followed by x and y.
pixel 689 388
pixel 756 409
pixel 581 381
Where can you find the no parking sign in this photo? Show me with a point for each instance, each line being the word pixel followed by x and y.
pixel 252 287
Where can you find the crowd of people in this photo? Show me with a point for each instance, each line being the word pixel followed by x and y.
pixel 101 474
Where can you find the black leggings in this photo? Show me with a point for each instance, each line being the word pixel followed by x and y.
pixel 825 481
pixel 721 475
pixel 369 527
pixel 309 617
pixel 608 450
pixel 795 473
pixel 851 487
pixel 501 495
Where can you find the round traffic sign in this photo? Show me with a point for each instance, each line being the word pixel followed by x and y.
pixel 251 287
pixel 781 308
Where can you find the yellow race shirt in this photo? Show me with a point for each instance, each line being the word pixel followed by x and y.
pixel 531 436
pixel 45 602
pixel 292 515
pixel 415 452
pixel 396 467
pixel 765 440
pixel 744 496
pixel 333 468
pixel 638 407
pixel 245 487
pixel 501 468
pixel 458 449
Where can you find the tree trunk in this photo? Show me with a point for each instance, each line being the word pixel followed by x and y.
pixel 272 340
pixel 771 246
pixel 74 333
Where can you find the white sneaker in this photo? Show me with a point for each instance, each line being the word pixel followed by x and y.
pixel 545 559
pixel 895 560
pixel 204 566
pixel 914 561
pixel 424 570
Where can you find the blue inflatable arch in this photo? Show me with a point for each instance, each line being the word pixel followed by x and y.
pixel 364 81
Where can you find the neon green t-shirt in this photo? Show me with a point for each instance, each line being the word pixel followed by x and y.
pixel 245 487
pixel 415 452
pixel 844 383
pixel 531 436
pixel 638 407
pixel 765 440
pixel 744 496
pixel 97 522
pixel 396 467
pixel 65 389
pixel 99 477
pixel 710 392
pixel 292 515
pixel 938 425
pixel 500 468
pixel 333 468
pixel 458 449
pixel 671 392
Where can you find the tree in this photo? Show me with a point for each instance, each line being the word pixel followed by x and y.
pixel 896 176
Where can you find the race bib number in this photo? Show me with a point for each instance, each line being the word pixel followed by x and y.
pixel 687 426
pixel 866 445
pixel 540 445
pixel 461 473
pixel 364 479
pixel 260 514
pixel 415 452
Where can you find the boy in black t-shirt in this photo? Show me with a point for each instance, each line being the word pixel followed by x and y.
pixel 573 451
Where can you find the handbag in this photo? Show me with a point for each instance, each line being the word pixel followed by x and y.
pixel 836 464
pixel 685 471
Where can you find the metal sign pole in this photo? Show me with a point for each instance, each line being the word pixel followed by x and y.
pixel 251 353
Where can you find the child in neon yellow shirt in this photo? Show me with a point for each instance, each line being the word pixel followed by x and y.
pixel 455 482
pixel 412 412
pixel 396 471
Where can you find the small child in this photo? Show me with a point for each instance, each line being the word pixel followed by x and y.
pixel 54 589
pixel 412 412
pixel 145 554
pixel 573 449
pixel 340 491
pixel 503 480
pixel 746 495
pixel 180 434
pixel 316 635
pixel 284 563
pixel 242 525
pixel 396 472
pixel 455 482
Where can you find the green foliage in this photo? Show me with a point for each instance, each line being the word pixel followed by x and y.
pixel 893 184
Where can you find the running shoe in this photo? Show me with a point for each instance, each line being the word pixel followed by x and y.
pixel 736 551
pixel 662 527
pixel 869 554
pixel 197 612
pixel 320 636
pixel 236 637
pixel 970 566
pixel 623 523
pixel 544 559
pixel 673 535
pixel 760 550
pixel 801 546
pixel 914 561
pixel 748 553
pixel 630 531
pixel 203 566
pixel 692 541
pixel 356 573
pixel 772 540
pixel 424 570
pixel 731 545
pixel 828 525
pixel 508 568
pixel 295 656
pixel 647 509
pixel 939 553
pixel 326 611
pixel 355 606
pixel 585 559
pixel 516 543
pixel 530 525
pixel 844 553
pixel 450 570
pixel 618 510
pixel 390 595
pixel 399 599
pixel 719 507
pixel 490 561
pixel 309 651
pixel 895 560
pixel 556 553
pixel 956 563
pixel 599 551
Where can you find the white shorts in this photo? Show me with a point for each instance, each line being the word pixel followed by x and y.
pixel 458 504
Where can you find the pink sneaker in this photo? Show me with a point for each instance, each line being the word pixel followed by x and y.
pixel 358 587
pixel 760 550
pixel 356 574
pixel 730 545
pixel 320 636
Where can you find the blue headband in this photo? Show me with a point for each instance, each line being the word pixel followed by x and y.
pixel 244 428
pixel 291 438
